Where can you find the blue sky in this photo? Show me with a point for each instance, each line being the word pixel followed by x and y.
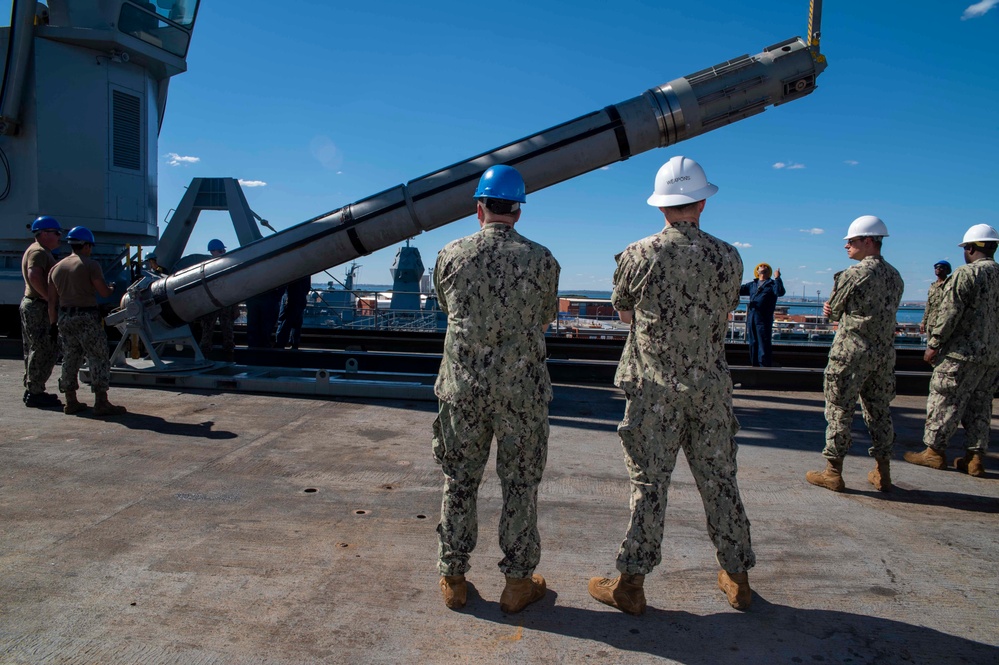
pixel 315 105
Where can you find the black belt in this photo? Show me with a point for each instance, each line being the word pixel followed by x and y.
pixel 78 310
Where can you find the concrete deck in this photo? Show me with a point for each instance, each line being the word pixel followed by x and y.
pixel 207 528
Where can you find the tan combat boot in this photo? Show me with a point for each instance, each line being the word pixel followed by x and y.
pixel 455 591
pixel 521 592
pixel 625 592
pixel 880 476
pixel 929 457
pixel 973 464
pixel 736 588
pixel 831 478
pixel 73 405
pixel 102 407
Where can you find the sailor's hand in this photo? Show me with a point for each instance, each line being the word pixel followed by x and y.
pixel 777 274
pixel 826 310
pixel 931 355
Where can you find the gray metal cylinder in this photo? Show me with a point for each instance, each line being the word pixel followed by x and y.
pixel 678 110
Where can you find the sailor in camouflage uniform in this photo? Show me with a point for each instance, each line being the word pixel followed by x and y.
pixel 500 292
pixel 226 317
pixel 74 284
pixel 941 269
pixel 677 288
pixel 964 347
pixel 40 348
pixel 864 300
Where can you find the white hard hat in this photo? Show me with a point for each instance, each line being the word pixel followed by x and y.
pixel 979 233
pixel 866 225
pixel 680 181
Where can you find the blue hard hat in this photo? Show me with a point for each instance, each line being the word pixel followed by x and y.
pixel 151 256
pixel 45 223
pixel 943 263
pixel 216 245
pixel 79 235
pixel 501 182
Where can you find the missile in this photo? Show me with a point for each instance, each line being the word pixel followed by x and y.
pixel 662 116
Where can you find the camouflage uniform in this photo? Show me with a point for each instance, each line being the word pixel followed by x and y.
pixel 499 291
pixel 227 319
pixel 932 305
pixel 81 331
pixel 865 301
pixel 966 331
pixel 83 337
pixel 40 350
pixel 681 284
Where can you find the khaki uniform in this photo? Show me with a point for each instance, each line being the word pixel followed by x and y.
pixel 865 301
pixel 81 332
pixel 499 290
pixel 933 298
pixel 681 284
pixel 966 331
pixel 40 350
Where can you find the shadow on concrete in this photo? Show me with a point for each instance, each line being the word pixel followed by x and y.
pixel 142 421
pixel 955 500
pixel 768 633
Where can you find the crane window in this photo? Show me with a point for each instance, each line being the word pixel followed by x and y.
pixel 159 26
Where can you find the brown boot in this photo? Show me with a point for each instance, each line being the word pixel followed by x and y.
pixel 625 592
pixel 973 464
pixel 455 591
pixel 73 405
pixel 736 588
pixel 880 476
pixel 929 457
pixel 521 592
pixel 831 478
pixel 102 407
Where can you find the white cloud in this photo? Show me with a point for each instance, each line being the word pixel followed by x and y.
pixel 788 165
pixel 814 232
pixel 802 267
pixel 605 168
pixel 252 183
pixel 173 159
pixel 854 162
pixel 978 9
pixel 742 244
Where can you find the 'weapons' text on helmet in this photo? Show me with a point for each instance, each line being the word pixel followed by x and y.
pixel 45 223
pixel 866 225
pixel 501 182
pixel 979 233
pixel 216 245
pixel 680 181
pixel 756 270
pixel 79 235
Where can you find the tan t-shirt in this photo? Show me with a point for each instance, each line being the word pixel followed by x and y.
pixel 73 278
pixel 36 256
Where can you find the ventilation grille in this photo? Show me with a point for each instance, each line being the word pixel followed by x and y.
pixel 127 131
